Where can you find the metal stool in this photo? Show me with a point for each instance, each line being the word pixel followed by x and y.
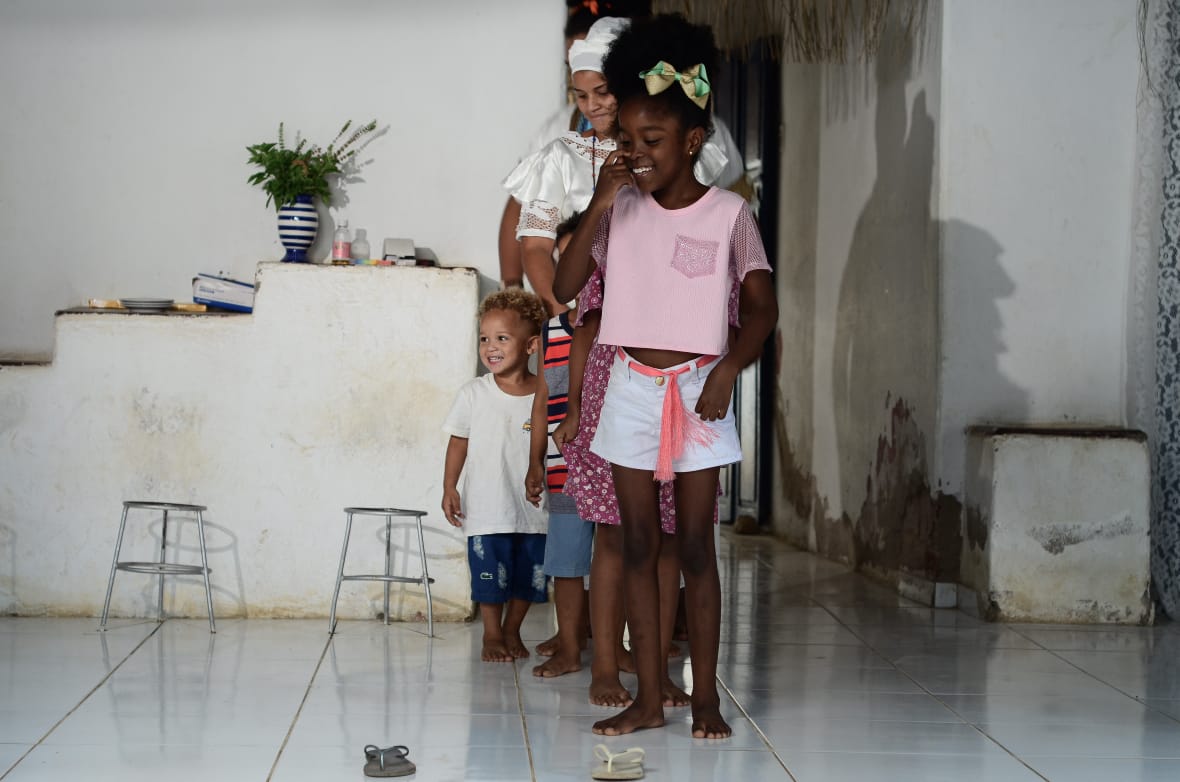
pixel 161 568
pixel 425 580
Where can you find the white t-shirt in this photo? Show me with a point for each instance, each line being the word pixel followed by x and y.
pixel 491 487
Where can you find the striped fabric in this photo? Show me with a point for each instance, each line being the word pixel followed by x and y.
pixel 557 337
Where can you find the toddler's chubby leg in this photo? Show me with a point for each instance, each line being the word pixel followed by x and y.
pixel 513 618
pixel 494 648
pixel 489 587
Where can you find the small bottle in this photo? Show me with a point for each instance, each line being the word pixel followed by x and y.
pixel 342 244
pixel 360 247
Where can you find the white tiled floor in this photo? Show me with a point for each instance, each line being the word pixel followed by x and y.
pixel 832 678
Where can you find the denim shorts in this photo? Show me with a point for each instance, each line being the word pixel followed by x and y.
pixel 629 428
pixel 507 566
pixel 567 550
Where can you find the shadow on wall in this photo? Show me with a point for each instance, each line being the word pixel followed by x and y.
pixel 8 571
pixel 886 365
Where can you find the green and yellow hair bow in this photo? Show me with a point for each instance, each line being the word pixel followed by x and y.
pixel 694 81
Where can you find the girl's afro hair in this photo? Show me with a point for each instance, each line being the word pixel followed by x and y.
pixel 676 41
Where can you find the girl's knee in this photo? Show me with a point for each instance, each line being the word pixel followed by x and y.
pixel 697 556
pixel 640 546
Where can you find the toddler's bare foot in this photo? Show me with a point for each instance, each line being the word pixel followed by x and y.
pixel 707 723
pixel 494 651
pixel 624 660
pixel 609 691
pixel 516 647
pixel 631 719
pixel 558 665
pixel 673 695
pixel 674 650
pixel 548 647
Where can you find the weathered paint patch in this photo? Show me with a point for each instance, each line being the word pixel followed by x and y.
pixel 1055 538
pixel 902 525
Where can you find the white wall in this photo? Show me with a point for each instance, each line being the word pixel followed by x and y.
pixel 330 395
pixel 956 241
pixel 858 296
pixel 1038 139
pixel 125 124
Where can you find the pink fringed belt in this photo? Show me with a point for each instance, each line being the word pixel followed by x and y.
pixel 678 426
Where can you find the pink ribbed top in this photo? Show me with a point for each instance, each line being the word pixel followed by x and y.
pixel 670 273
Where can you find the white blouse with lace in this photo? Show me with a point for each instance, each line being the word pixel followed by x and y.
pixel 558 180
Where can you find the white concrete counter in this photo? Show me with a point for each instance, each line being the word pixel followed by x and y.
pixel 330 394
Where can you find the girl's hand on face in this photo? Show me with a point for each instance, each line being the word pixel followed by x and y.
pixel 713 403
pixel 614 176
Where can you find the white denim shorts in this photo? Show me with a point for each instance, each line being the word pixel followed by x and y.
pixel 629 429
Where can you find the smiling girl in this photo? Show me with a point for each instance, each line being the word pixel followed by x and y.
pixel 683 263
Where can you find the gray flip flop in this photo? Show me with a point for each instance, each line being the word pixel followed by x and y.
pixel 388 762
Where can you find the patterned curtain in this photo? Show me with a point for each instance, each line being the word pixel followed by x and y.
pixel 1165 559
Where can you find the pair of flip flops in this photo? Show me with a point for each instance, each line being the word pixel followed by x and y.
pixel 627 764
pixel 388 762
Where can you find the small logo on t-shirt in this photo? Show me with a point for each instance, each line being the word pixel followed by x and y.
pixel 527 426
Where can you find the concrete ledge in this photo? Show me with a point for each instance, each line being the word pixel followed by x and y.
pixel 330 394
pixel 1057 524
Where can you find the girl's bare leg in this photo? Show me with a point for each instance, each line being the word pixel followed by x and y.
pixel 696 492
pixel 669 569
pixel 606 617
pixel 639 508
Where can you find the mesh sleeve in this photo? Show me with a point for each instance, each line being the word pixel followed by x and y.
pixel 590 298
pixel 538 218
pixel 746 254
pixel 598 246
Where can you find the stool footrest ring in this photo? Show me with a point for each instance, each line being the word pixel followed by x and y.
pixel 163 568
pixel 390 579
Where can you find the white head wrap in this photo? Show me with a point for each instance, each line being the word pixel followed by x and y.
pixel 588 55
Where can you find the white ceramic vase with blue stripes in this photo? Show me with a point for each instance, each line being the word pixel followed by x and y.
pixel 298 223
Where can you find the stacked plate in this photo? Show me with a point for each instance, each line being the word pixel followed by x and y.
pixel 147 305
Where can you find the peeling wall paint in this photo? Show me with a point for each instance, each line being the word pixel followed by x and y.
pixel 330 395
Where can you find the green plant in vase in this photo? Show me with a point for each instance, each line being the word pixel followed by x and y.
pixel 286 172
pixel 293 176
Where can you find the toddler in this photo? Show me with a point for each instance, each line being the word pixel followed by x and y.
pixel 490 422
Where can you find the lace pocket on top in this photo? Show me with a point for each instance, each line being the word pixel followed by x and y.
pixel 694 257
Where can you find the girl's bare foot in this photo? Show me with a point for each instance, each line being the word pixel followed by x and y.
pixel 494 651
pixel 707 723
pixel 673 695
pixel 548 647
pixel 558 665
pixel 631 719
pixel 609 691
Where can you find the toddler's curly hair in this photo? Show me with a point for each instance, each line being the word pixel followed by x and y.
pixel 676 41
pixel 527 305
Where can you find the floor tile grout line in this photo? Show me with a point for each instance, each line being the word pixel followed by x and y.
pixel 1057 653
pixel 85 697
pixel 299 711
pixel 947 706
pixel 524 723
pixel 757 728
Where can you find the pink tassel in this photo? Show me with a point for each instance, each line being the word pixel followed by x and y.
pixel 678 427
